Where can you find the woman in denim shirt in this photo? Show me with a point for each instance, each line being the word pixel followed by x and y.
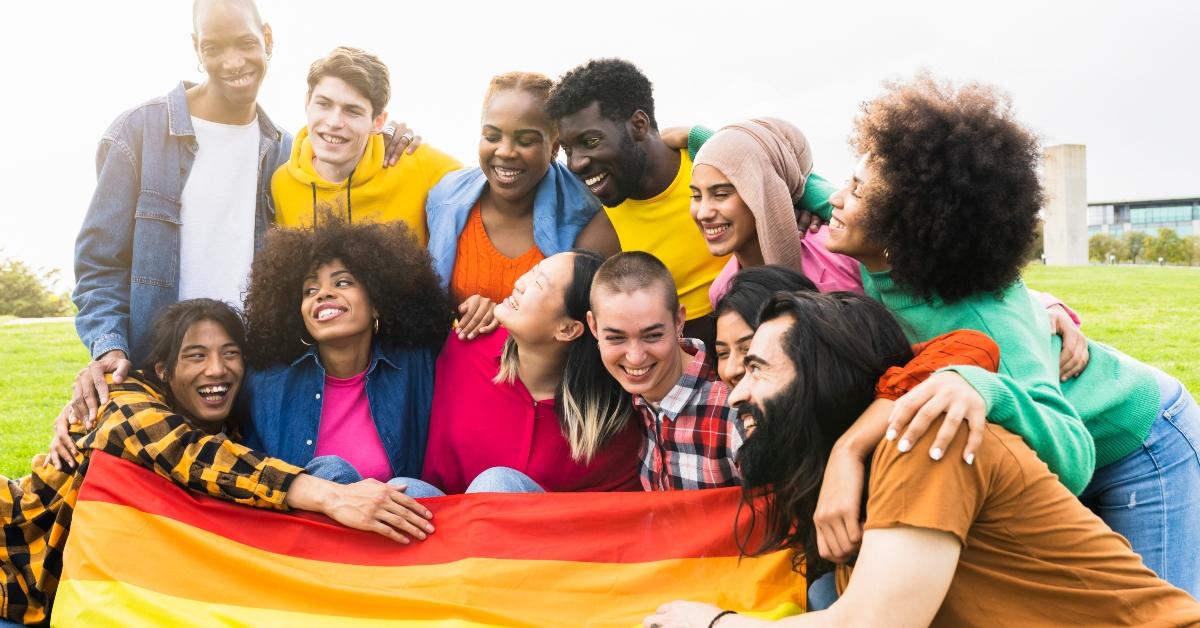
pixel 491 224
pixel 344 322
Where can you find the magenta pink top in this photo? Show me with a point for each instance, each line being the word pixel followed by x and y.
pixel 829 271
pixel 476 424
pixel 347 429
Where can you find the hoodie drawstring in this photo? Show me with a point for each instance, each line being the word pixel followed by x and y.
pixel 349 209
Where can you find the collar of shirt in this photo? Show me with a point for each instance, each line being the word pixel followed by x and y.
pixel 696 374
pixel 378 354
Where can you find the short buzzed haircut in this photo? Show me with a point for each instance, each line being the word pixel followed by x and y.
pixel 631 271
pixel 618 85
pixel 360 69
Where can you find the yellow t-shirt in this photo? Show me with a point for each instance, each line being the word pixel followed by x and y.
pixel 663 227
pixel 376 194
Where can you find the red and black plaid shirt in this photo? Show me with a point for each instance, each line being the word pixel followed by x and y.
pixel 693 435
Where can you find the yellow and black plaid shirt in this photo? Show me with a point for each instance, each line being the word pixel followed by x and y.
pixel 136 425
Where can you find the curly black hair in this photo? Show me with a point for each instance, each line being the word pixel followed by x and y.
pixel 394 268
pixel 618 85
pixel 954 193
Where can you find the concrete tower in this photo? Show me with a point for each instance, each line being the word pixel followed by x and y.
pixel 1065 213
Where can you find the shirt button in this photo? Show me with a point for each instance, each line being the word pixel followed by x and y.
pixel 308 442
pixel 318 396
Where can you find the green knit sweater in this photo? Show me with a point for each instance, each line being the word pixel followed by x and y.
pixel 1116 396
pixel 1024 396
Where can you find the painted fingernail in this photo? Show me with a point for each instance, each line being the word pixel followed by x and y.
pixel 935 453
pixel 891 434
pixel 904 446
pixel 970 458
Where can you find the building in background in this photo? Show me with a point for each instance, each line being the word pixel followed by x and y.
pixel 1064 217
pixel 1120 217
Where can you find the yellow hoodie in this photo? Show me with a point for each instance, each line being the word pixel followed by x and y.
pixel 372 193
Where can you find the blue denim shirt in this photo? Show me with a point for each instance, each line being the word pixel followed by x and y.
pixel 127 252
pixel 562 207
pixel 283 406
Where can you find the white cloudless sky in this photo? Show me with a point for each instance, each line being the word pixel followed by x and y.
pixel 1121 77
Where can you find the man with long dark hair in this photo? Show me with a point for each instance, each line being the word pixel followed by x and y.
pixel 997 542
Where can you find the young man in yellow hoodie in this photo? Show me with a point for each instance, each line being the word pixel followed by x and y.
pixel 337 160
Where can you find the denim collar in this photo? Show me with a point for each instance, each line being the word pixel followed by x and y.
pixel 378 354
pixel 179 119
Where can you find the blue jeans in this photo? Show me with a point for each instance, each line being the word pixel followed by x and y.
pixel 1149 496
pixel 822 594
pixel 493 480
pixel 332 468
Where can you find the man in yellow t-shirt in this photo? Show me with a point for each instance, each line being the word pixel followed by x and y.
pixel 605 114
pixel 337 161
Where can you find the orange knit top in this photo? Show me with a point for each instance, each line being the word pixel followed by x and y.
pixel 480 269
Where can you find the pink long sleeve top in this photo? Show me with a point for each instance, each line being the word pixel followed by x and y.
pixel 476 424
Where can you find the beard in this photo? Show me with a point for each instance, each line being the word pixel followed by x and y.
pixel 633 168
pixel 769 453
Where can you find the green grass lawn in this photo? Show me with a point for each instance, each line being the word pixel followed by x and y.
pixel 39 362
pixel 1150 313
pixel 1147 312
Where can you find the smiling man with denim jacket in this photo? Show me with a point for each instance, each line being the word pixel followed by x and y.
pixel 128 253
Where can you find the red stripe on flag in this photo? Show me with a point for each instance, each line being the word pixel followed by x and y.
pixel 581 527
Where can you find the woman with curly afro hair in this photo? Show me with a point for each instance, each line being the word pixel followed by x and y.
pixel 344 322
pixel 941 211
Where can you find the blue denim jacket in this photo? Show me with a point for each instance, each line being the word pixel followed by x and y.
pixel 283 406
pixel 127 252
pixel 562 207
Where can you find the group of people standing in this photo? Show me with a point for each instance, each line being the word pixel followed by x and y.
pixel 667 309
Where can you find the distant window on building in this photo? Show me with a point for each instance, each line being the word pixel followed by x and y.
pixel 1168 213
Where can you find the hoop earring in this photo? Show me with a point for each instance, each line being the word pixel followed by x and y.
pixel 200 67
pixel 376 325
pixel 305 342
pixel 887 255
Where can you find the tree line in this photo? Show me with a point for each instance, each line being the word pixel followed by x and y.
pixel 27 291
pixel 1139 247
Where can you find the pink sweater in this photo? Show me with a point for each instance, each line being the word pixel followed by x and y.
pixel 829 271
pixel 476 424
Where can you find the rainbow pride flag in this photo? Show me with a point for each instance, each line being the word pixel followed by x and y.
pixel 143 551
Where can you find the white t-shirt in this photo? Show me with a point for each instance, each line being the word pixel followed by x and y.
pixel 216 239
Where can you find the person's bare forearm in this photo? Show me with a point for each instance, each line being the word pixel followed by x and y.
pixel 308 493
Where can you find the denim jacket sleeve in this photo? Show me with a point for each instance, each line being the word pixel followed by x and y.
pixel 103 250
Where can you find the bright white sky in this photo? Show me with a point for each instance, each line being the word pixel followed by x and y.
pixel 1121 77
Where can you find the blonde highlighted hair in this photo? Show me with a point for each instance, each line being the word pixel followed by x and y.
pixel 591 406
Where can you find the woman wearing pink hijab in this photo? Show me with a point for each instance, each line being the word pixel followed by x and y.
pixel 745 182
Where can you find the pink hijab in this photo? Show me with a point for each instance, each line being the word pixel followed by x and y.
pixel 768 160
